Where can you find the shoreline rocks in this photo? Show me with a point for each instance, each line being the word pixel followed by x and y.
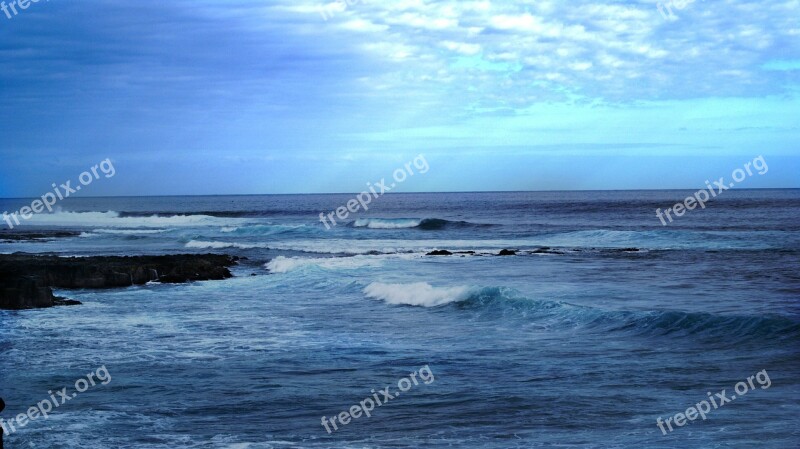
pixel 440 252
pixel 26 280
pixel 8 236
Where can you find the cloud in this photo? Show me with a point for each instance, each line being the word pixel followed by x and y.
pixel 287 80
pixel 462 48
pixel 593 47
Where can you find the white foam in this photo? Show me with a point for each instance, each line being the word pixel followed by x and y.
pixel 380 223
pixel 417 294
pixel 112 219
pixel 130 231
pixel 200 244
pixel 261 229
pixel 393 246
pixel 283 264
pixel 390 246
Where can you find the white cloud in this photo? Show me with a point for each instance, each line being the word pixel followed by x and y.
pixel 536 49
pixel 363 25
pixel 461 47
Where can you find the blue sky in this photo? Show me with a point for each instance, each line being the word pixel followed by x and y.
pixel 223 97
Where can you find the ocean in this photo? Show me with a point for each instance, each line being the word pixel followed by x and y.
pixel 604 324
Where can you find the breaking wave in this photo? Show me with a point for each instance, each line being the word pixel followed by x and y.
pixel 113 219
pixel 199 244
pixel 283 264
pixel 508 302
pixel 417 294
pixel 262 229
pixel 427 224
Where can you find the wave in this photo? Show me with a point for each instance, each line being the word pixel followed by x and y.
pixel 126 234
pixel 417 294
pixel 427 224
pixel 111 219
pixel 130 231
pixel 349 247
pixel 283 264
pixel 383 246
pixel 385 223
pixel 168 214
pixel 200 244
pixel 255 213
pixel 603 242
pixel 508 302
pixel 261 229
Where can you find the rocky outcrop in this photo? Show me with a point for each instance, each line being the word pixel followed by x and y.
pixel 24 292
pixel 440 252
pixel 7 236
pixel 26 280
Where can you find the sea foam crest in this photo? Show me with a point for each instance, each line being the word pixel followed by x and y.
pixel 417 294
pixel 261 229
pixel 385 223
pixel 200 244
pixel 283 264
pixel 426 224
pixel 113 219
pixel 130 231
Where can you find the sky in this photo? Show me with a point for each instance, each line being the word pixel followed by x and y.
pixel 305 96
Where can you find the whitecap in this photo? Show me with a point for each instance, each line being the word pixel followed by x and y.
pixel 113 219
pixel 383 223
pixel 417 294
pixel 283 264
pixel 199 244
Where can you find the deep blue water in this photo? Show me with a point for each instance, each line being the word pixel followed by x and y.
pixel 583 344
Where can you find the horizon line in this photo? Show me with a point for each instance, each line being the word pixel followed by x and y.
pixel 402 193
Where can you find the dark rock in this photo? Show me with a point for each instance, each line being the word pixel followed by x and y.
pixel 22 236
pixel 24 292
pixel 25 280
pixel 545 250
pixel 508 252
pixel 440 252
pixel 59 301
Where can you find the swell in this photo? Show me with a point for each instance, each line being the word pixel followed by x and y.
pixel 264 229
pixel 425 224
pixel 435 224
pixel 505 303
pixel 112 219
pixel 211 213
pixel 639 323
pixel 628 204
